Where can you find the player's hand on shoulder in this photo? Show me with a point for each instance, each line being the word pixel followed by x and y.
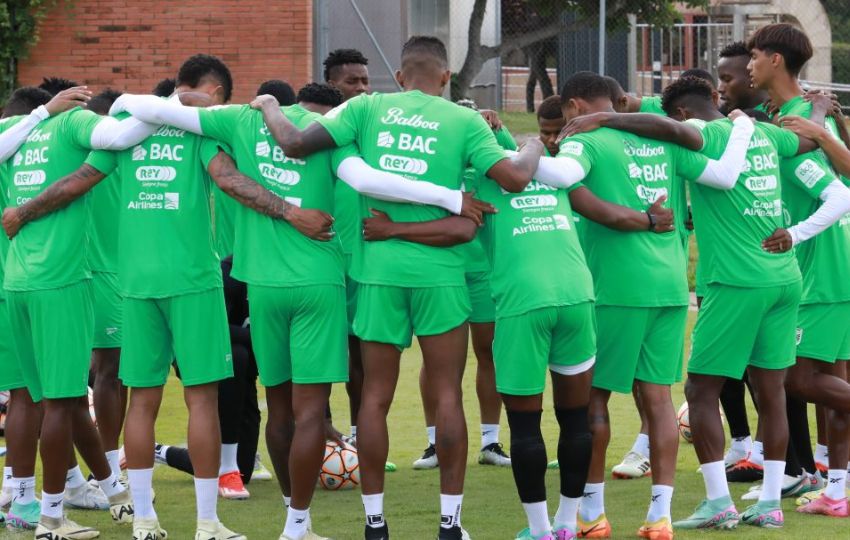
pixel 475 209
pixel 312 223
pixel 11 222
pixel 803 127
pixel 67 99
pixel 263 101
pixel 778 242
pixel 582 124
pixel 823 99
pixel 378 227
pixel 738 113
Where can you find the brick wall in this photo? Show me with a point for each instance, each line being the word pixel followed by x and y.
pixel 131 45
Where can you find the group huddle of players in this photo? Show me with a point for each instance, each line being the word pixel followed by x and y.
pixel 359 220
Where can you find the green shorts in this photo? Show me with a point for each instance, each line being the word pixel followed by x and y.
pixel 350 295
pixel 480 298
pixel 52 334
pixel 189 328
pixel 387 314
pixel 298 334
pixel 11 377
pixel 527 345
pixel 823 331
pixel 107 310
pixel 638 344
pixel 739 327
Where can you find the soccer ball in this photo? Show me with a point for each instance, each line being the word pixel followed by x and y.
pixel 684 423
pixel 340 468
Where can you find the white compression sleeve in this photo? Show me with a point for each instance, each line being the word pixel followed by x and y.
pixel 159 111
pixel 391 187
pixel 836 203
pixel 723 173
pixel 559 172
pixel 112 134
pixel 14 137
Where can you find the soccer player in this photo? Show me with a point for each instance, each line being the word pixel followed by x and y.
pixel 345 70
pixel 54 85
pixel 641 312
pixel 777 54
pixel 282 91
pixel 407 288
pixel 164 88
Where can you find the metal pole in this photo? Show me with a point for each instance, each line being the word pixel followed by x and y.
pixel 375 43
pixel 602 37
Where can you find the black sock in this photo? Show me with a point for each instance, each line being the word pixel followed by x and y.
pixel 528 455
pixel 799 436
pixel 575 447
pixel 735 409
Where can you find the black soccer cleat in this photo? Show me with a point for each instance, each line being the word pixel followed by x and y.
pixel 377 533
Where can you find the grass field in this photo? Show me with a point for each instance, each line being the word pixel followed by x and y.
pixel 491 508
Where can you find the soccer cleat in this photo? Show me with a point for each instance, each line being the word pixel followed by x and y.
pixel 717 514
pixel 230 486
pixel 453 533
pixel 23 516
pixel 553 464
pixel 764 514
pixel 148 529
pixel 428 459
pixel 494 454
pixel 812 495
pixel 86 497
pixel 657 530
pixel 564 532
pixel 377 533
pixel 121 507
pixel 792 486
pixel 309 536
pixel 745 471
pixel 733 456
pixel 822 468
pixel 63 529
pixel 825 506
pixel 634 465
pixel 525 534
pixel 215 530
pixel 598 528
pixel 260 470
pixel 158 455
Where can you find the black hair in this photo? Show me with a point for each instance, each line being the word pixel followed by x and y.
pixel 164 88
pixel 341 57
pixel 201 65
pixel 320 94
pixel 54 85
pixel 428 45
pixel 584 85
pixel 685 90
pixel 700 74
pixel 785 39
pixel 614 86
pixel 736 48
pixel 758 114
pixel 281 90
pixel 103 101
pixel 550 108
pixel 25 100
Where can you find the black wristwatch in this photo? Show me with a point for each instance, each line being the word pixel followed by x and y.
pixel 652 222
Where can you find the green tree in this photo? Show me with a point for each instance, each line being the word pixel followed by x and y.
pixel 548 23
pixel 18 32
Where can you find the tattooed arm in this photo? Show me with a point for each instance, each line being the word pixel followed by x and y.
pixel 57 196
pixel 314 224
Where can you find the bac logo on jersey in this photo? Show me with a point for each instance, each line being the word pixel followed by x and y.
pixel 403 164
pixel 634 171
pixel 29 178
pixel 385 139
pixel 172 201
pixel 139 153
pixel 279 176
pixel 533 201
pixel 263 149
pixel 573 147
pixel 761 183
pixel 809 172
pixel 155 173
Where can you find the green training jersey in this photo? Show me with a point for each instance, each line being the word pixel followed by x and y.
pixel 225 208
pixel 50 252
pixel 637 269
pixel 534 250
pixel 268 251
pixel 651 105
pixel 165 238
pixel 731 224
pixel 105 204
pixel 422 137
pixel 825 259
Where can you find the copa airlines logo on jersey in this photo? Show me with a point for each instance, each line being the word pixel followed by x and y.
pixel 395 117
pixel 531 224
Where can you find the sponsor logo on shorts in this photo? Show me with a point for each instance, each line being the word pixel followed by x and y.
pixel 798 336
pixel 809 172
pixel 403 164
pixel 228 358
pixel 111 331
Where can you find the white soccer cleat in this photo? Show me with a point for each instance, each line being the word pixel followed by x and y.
pixel 260 470
pixel 63 529
pixel 215 530
pixel 121 507
pixel 428 459
pixel 148 529
pixel 792 487
pixel 86 497
pixel 494 454
pixel 733 456
pixel 634 465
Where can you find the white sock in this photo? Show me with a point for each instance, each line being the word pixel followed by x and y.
pixel 714 476
pixel 757 454
pixel 141 481
pixel 296 523
pixel 567 514
pixel 743 444
pixel 489 434
pixel 592 502
pixel 373 505
pixel 641 445
pixel 75 478
pixel 24 490
pixel 450 510
pixel 228 459
pixel 7 478
pixel 353 432
pixel 771 487
pixel 286 501
pixel 110 485
pixel 432 434
pixel 112 458
pixel 538 517
pixel 821 453
pixel 659 504
pixel 206 498
pixel 51 504
pixel 836 480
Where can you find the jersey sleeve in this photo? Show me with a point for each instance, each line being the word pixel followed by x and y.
pixel 220 122
pixel 103 160
pixel 505 139
pixel 343 122
pixel 6 123
pixel 787 143
pixel 689 165
pixel 580 149
pixel 338 155
pixel 811 175
pixel 79 125
pixel 482 149
pixel 209 149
